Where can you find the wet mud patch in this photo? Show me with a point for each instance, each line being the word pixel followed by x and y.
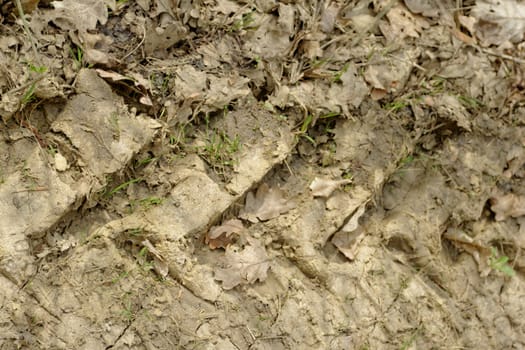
pixel 43 187
pixel 267 176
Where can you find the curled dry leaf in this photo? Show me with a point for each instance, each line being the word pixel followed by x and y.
pixel 402 23
pixel 329 18
pixel 353 223
pixel 507 205
pixel 165 38
pixel 222 236
pixel 479 252
pixel 347 240
pixel 142 84
pixel 324 187
pixel 427 8
pixel 244 267
pixel 499 21
pixel 449 107
pixel 159 264
pixel 391 75
pixel 82 15
pixel 266 204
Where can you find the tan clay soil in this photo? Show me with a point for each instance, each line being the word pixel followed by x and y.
pixel 222 174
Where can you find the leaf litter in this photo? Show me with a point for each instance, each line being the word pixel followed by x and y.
pixel 499 21
pixel 349 237
pixel 296 59
pixel 507 206
pixel 324 187
pixel 223 235
pixel 81 15
pixel 267 203
pixel 246 266
pixel 159 263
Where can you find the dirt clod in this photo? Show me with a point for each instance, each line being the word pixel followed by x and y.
pixel 262 175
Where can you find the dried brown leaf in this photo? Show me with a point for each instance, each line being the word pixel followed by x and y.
pixel 499 21
pixel 159 263
pixel 402 23
pixel 479 252
pixel 134 78
pixel 222 236
pixel 189 83
pixel 163 38
pixel 9 104
pixel 347 242
pixel 353 223
pixel 450 108
pixel 163 6
pixel 392 75
pixel 222 90
pixel 82 15
pixel 144 4
pixel 347 239
pixel 244 267
pixel 271 38
pixel 350 93
pixel 60 162
pixel 266 204
pixel 321 97
pixel 507 205
pixel 325 187
pixel 329 18
pixel 428 8
pixel 227 7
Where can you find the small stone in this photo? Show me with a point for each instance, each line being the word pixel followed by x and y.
pixel 60 162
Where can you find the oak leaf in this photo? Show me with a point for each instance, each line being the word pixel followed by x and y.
pixel 245 266
pixel 222 236
pixel 267 203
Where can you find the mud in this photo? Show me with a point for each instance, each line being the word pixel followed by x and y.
pixel 260 176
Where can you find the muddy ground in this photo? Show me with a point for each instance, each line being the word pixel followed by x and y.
pixel 262 175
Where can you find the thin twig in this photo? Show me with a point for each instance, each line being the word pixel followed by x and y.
pixel 137 47
pixel 413 64
pixel 502 55
pixel 28 84
pixel 37 189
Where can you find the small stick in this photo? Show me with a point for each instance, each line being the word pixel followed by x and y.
pixel 137 47
pixel 36 189
pixel 502 55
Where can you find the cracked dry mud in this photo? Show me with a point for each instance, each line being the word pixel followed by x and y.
pixel 261 175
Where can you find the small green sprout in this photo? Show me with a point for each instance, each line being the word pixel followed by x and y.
pixel 78 57
pixel 144 161
pixel 137 231
pixel 52 150
pixel 500 263
pixel 470 102
pixel 406 160
pixel 244 22
pixel 37 69
pixel 120 277
pixel 330 115
pixel 303 132
pixel 151 201
pixel 396 105
pixel 143 251
pixel 339 74
pixel 122 186
pixel 29 95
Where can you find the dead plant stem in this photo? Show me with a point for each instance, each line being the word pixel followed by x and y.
pixel 26 29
